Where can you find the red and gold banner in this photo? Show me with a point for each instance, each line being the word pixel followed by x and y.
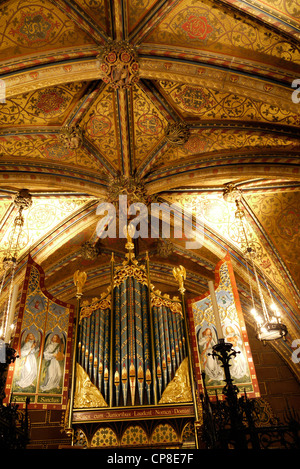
pixel 43 344
pixel 204 335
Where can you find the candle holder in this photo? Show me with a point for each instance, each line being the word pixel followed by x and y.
pixel 224 352
pixel 234 422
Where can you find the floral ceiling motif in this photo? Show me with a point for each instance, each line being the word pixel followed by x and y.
pixel 42 106
pixel 30 26
pixel 212 27
pixel 197 27
pixel 211 104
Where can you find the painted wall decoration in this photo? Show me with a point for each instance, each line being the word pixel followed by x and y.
pixel 43 344
pixel 204 335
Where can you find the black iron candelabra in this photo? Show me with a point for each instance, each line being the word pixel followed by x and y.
pixel 235 422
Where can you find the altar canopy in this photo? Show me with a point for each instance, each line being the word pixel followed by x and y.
pixel 43 344
pixel 204 335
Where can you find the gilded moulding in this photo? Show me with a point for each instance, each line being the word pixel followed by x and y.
pixel 200 75
pixel 174 304
pixel 50 76
pixel 104 302
pixel 155 69
pixel 130 270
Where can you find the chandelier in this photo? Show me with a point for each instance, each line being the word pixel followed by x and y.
pixel 22 201
pixel 268 318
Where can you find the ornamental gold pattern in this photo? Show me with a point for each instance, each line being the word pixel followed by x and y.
pixel 179 389
pixel 130 271
pixel 86 393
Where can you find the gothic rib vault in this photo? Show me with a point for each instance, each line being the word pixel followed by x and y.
pixel 202 97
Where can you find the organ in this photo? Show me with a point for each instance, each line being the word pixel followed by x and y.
pixel 131 353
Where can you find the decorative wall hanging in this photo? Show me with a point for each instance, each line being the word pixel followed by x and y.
pixel 43 343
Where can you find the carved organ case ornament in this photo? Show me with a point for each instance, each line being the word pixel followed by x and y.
pixel 131 347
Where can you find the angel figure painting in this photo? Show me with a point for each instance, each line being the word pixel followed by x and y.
pixel 207 338
pixel 25 379
pixel 53 364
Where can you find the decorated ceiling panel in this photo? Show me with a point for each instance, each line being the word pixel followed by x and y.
pixel 100 126
pixel 137 10
pixel 209 26
pixel 219 216
pixel 284 12
pixel 202 141
pixel 40 220
pixel 149 123
pixel 48 148
pixel 34 27
pixel 48 106
pixel 97 10
pixel 280 217
pixel 204 103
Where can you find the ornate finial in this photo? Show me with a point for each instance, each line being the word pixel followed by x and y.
pixel 180 275
pixel 119 64
pixel 71 137
pixel 89 250
pixel 23 199
pixel 165 248
pixel 133 187
pixel 231 193
pixel 129 233
pixel 177 133
pixel 79 281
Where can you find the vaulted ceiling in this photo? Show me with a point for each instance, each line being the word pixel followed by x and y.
pixel 222 69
